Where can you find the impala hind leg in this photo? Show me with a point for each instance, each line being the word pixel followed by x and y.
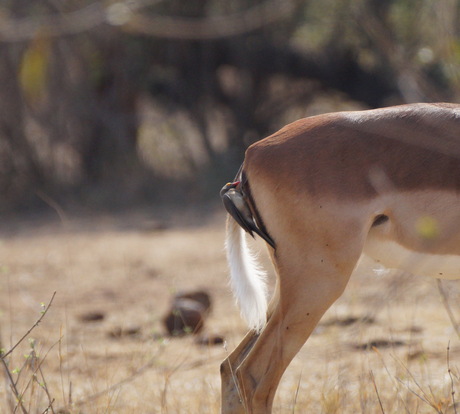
pixel 229 367
pixel 307 290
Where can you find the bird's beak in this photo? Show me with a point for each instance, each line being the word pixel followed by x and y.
pixel 229 186
pixel 234 184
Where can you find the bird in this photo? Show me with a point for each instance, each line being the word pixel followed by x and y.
pixel 236 205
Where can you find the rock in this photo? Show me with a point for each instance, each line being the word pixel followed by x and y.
pixel 119 332
pixel 379 344
pixel 185 316
pixel 92 316
pixel 200 296
pixel 349 320
pixel 211 339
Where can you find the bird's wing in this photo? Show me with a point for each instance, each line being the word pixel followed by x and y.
pixel 236 206
pixel 236 214
pixel 265 236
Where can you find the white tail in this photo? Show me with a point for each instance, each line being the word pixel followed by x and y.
pixel 247 277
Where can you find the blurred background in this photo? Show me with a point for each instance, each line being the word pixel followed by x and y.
pixel 126 117
pixel 115 104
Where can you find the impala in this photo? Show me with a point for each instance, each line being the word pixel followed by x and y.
pixel 322 191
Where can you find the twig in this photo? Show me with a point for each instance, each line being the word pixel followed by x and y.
pixel 3 356
pixel 45 387
pixel 164 393
pixel 296 393
pixel 13 387
pixel 427 399
pixel 393 378
pixel 69 23
pixel 128 14
pixel 61 370
pixel 36 367
pixel 9 399
pixel 451 378
pixel 377 392
pixel 54 205
pixel 48 408
pixel 211 27
pixel 445 301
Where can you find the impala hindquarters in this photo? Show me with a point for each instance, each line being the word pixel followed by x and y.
pixel 326 188
pixel 318 245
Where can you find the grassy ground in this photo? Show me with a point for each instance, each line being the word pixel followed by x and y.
pixel 382 348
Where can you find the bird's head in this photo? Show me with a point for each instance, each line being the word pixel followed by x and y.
pixel 229 186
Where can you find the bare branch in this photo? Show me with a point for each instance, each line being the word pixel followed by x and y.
pixel 78 21
pixel 126 15
pixel 13 387
pixel 3 356
pixel 452 390
pixel 217 27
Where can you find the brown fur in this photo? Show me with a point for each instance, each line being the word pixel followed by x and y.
pixel 319 154
pixel 320 184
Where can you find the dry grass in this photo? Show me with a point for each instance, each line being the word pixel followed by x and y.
pixel 383 348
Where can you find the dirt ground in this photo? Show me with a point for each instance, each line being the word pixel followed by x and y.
pixel 101 347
